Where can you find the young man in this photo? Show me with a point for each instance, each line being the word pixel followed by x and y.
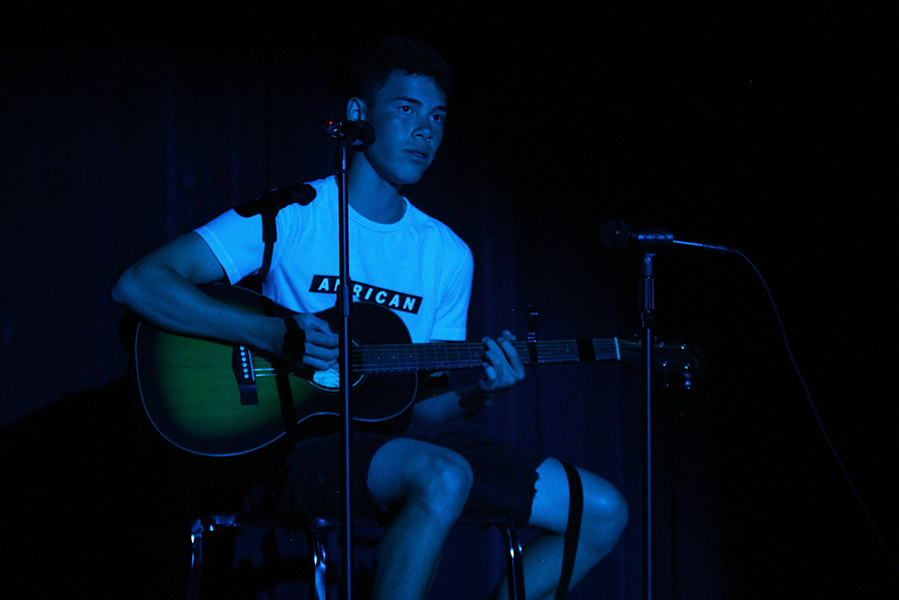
pixel 430 463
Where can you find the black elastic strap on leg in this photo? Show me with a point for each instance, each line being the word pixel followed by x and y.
pixel 573 532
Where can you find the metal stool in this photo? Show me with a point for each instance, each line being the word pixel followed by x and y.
pixel 315 530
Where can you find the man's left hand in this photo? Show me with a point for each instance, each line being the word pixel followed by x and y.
pixel 502 366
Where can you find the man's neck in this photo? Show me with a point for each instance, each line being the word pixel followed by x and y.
pixel 373 197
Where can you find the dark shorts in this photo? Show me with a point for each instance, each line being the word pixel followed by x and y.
pixel 504 476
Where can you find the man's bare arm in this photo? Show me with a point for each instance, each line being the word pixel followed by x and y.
pixel 161 288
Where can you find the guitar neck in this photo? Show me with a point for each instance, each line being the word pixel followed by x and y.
pixel 401 358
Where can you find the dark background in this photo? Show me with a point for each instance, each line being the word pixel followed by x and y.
pixel 761 126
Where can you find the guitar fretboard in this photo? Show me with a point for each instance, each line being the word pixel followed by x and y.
pixel 396 358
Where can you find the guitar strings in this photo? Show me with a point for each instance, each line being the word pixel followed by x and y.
pixel 385 358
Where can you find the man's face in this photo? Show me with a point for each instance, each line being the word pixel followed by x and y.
pixel 407 115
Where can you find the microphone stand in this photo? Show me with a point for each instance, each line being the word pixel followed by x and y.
pixel 647 318
pixel 617 235
pixel 343 306
pixel 358 135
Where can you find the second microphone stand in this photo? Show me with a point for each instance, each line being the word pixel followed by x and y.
pixel 647 317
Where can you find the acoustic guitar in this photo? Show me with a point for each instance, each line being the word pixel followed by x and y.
pixel 218 399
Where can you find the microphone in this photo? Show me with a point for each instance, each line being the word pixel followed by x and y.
pixel 357 135
pixel 617 235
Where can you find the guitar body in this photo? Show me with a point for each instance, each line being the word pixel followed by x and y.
pixel 193 396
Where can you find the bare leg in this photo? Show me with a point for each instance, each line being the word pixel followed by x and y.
pixel 429 485
pixel 605 515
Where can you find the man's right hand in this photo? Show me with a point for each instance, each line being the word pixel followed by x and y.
pixel 320 347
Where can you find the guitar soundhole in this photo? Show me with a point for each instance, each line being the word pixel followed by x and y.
pixel 329 381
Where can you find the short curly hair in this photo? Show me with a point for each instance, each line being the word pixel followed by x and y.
pixel 373 65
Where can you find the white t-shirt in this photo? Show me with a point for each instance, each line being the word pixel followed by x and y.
pixel 417 266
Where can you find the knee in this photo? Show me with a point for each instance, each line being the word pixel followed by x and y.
pixel 605 515
pixel 442 482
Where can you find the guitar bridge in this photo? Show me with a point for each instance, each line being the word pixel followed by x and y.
pixel 242 366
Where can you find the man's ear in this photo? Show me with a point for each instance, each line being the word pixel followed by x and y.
pixel 355 109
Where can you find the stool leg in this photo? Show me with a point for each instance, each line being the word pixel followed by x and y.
pixel 318 582
pixel 514 563
pixel 196 560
